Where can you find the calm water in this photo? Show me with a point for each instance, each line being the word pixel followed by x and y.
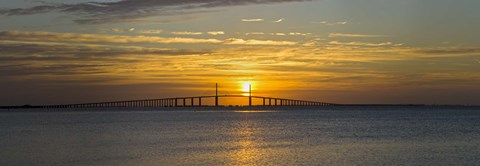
pixel 334 136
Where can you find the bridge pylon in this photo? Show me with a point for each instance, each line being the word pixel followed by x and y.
pixel 250 95
pixel 216 94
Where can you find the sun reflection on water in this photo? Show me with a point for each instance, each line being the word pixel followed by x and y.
pixel 247 145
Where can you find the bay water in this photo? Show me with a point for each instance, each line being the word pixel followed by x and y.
pixel 363 135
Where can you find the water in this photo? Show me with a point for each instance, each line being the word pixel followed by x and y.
pixel 334 136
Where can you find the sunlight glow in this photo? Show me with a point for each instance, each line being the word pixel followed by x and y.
pixel 245 88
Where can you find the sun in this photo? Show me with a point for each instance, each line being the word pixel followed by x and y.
pixel 246 86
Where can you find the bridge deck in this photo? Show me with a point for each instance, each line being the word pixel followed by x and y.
pixel 193 101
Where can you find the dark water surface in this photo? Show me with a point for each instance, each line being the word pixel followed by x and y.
pixel 333 136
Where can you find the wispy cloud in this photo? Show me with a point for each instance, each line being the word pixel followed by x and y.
pixel 116 30
pixel 252 20
pixel 95 38
pixel 449 51
pixel 150 31
pixel 279 33
pixel 331 23
pixel 235 41
pixel 187 33
pixel 279 20
pixel 61 51
pixel 128 10
pixel 352 35
pixel 216 33
pixel 364 44
pixel 299 34
pixel 254 33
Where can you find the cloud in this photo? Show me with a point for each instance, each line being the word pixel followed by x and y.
pixel 332 23
pixel 298 34
pixel 130 10
pixel 216 33
pixel 363 44
pixel 279 20
pixel 449 51
pixel 119 30
pixel 235 41
pixel 278 34
pixel 252 20
pixel 187 33
pixel 93 38
pixel 352 35
pixel 254 33
pixel 313 42
pixel 20 50
pixel 150 31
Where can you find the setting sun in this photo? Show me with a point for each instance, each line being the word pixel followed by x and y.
pixel 245 88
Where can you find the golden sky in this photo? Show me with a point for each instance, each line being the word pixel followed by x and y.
pixel 342 51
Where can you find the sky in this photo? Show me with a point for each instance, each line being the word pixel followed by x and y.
pixel 338 51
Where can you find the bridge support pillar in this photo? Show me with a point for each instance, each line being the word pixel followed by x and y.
pixel 216 95
pixel 250 100
pixel 250 95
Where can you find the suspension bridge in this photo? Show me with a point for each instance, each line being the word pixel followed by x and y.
pixel 195 101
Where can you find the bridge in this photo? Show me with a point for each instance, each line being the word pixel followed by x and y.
pixel 195 101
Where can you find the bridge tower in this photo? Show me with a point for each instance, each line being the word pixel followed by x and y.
pixel 250 95
pixel 216 94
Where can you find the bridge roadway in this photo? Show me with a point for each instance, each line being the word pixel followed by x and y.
pixel 189 102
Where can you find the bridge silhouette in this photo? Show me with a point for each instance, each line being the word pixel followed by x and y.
pixel 195 101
